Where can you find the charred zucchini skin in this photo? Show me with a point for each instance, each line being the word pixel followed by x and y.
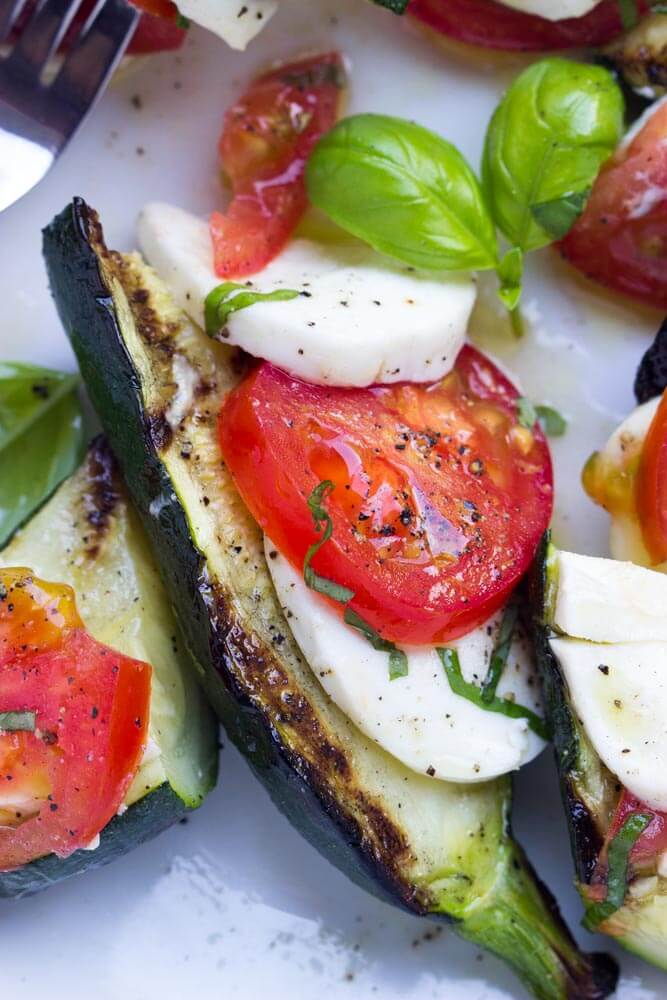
pixel 144 820
pixel 216 638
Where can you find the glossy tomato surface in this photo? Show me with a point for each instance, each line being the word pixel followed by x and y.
pixel 495 26
pixel 264 146
pixel 651 486
pixel 620 239
pixel 440 495
pixel 63 782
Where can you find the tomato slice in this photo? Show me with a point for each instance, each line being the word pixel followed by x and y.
pixel 264 146
pixel 652 841
pixel 651 486
pixel 495 26
pixel 157 30
pixel 440 500
pixel 61 784
pixel 620 239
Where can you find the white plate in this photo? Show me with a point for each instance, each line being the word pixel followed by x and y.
pixel 235 903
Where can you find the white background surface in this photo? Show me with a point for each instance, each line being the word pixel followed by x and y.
pixel 234 903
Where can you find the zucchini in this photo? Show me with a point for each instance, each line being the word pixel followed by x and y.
pixel 434 848
pixel 88 536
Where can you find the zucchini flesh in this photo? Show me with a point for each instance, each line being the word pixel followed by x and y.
pixel 89 537
pixel 432 847
pixel 589 789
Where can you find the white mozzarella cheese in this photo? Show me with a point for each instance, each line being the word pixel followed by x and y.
pixel 359 319
pixel 416 718
pixel 553 10
pixel 619 691
pixel 234 21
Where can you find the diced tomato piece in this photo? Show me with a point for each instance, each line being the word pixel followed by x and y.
pixel 62 783
pixel 620 239
pixel 495 26
pixel 156 32
pixel 264 146
pixel 440 498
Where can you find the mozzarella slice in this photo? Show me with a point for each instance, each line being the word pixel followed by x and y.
pixel 553 10
pixel 360 317
pixel 619 691
pixel 417 719
pixel 602 600
pixel 234 21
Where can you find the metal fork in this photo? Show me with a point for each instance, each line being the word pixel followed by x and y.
pixel 38 117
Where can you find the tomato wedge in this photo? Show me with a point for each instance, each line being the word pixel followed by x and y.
pixel 495 26
pixel 651 486
pixel 620 239
pixel 264 146
pixel 61 783
pixel 440 495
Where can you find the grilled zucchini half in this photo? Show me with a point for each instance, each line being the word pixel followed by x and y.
pixel 89 537
pixel 438 849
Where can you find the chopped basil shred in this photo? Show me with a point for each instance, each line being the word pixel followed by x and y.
pixel 558 216
pixel 452 667
pixel 395 6
pixel 526 412
pixel 231 296
pixel 500 652
pixel 617 871
pixel 551 421
pixel 629 13
pixel 17 722
pixel 398 661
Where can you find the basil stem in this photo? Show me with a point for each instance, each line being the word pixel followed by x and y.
pixel 500 652
pixel 452 667
pixel 323 523
pixel 17 722
pixel 398 661
pixel 221 302
pixel 617 870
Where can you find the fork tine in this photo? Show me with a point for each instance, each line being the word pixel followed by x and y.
pixel 94 55
pixel 42 34
pixel 9 11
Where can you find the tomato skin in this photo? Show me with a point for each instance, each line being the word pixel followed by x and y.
pixel 620 239
pixel 267 137
pixel 157 30
pixel 651 486
pixel 92 707
pixel 493 25
pixel 440 497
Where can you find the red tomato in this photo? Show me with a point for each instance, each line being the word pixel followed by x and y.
pixel 157 30
pixel 440 500
pixel 620 239
pixel 651 486
pixel 264 146
pixel 495 26
pixel 68 777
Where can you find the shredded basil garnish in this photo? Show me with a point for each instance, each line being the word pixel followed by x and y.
pixel 323 523
pixel 17 722
pixel 398 661
pixel 220 303
pixel 500 652
pixel 617 871
pixel 551 421
pixel 558 216
pixel 526 412
pixel 452 666
pixel 629 13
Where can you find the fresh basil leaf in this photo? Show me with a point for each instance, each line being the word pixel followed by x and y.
pixel 183 22
pixel 617 870
pixel 459 685
pixel 553 423
pixel 395 6
pixel 500 652
pixel 398 661
pixel 17 722
pixel 510 273
pixel 405 191
pixel 557 217
pixel 556 125
pixel 41 439
pixel 230 296
pixel 526 413
pixel 324 524
pixel 629 13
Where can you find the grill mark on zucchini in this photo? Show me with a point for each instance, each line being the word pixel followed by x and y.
pixel 102 496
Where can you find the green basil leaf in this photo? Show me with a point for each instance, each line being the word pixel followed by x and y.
pixel 324 524
pixel 183 22
pixel 510 273
pixel 617 871
pixel 526 413
pixel 459 685
pixel 629 13
pixel 41 439
pixel 398 661
pixel 17 722
pixel 500 652
pixel 557 217
pixel 405 191
pixel 556 125
pixel 230 296
pixel 553 423
pixel 395 6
